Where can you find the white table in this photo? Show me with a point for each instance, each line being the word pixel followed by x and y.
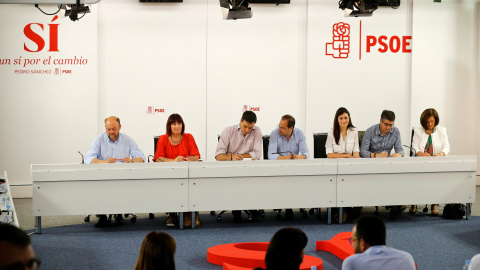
pixel 264 184
pixel 81 189
pixel 402 181
pixel 75 189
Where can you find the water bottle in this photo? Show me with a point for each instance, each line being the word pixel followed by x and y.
pixel 313 268
pixel 6 201
pixel 5 219
pixel 465 267
pixel 3 187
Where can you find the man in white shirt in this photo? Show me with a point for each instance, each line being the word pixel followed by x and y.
pixel 369 242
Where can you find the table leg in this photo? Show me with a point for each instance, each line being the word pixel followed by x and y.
pixel 181 220
pixel 329 219
pixel 468 211
pixel 38 221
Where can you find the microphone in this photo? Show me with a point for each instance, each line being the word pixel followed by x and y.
pixel 411 150
pixel 83 161
pixel 278 153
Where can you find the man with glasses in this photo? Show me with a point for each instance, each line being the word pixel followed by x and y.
pixel 16 250
pixel 287 142
pixel 378 142
pixel 369 243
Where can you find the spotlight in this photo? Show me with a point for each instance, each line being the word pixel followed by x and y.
pixel 364 8
pixel 235 9
pixel 73 11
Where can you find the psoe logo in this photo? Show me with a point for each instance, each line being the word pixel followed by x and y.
pixel 250 108
pixel 152 110
pixel 340 46
pixel 38 39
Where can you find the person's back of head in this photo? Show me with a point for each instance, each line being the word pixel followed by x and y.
pixel 285 250
pixel 157 252
pixel 371 229
pixel 16 251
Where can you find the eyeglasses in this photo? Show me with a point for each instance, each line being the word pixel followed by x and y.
pixel 31 264
pixel 388 125
pixel 352 240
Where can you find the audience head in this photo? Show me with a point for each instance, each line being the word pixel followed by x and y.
pixel 387 120
pixel 247 122
pixel 16 250
pixel 157 252
pixel 112 127
pixel 342 119
pixel 285 250
pixel 175 121
pixel 429 119
pixel 286 125
pixel 368 231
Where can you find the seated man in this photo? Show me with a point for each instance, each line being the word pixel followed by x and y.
pixel 110 147
pixel 285 250
pixel 287 142
pixel 369 243
pixel 16 249
pixel 240 141
pixel 378 142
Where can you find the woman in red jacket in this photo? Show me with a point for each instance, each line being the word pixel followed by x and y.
pixel 177 146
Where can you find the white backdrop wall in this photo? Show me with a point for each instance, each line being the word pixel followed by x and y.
pixel 147 61
pixel 45 118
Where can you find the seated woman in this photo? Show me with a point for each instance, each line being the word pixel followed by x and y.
pixel 177 146
pixel 157 252
pixel 429 140
pixel 342 142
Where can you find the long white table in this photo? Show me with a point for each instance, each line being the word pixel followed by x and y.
pixel 75 189
pixel 80 189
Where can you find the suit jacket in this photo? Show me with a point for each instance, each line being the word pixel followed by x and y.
pixel 439 140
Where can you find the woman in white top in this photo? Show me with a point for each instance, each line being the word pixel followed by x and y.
pixel 342 140
pixel 430 140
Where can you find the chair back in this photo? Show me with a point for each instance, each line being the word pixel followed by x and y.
pixel 319 140
pixel 266 141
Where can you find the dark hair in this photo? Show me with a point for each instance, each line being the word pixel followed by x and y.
pixel 336 126
pixel 174 118
pixel 372 230
pixel 290 120
pixel 285 249
pixel 388 115
pixel 427 114
pixel 157 252
pixel 116 118
pixel 249 116
pixel 14 235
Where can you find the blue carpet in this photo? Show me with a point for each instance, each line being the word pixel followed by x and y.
pixel 434 242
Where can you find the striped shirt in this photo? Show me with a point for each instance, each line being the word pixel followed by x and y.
pixel 233 141
pixel 374 142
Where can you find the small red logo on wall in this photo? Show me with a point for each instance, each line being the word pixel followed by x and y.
pixel 250 108
pixel 340 47
pixel 152 110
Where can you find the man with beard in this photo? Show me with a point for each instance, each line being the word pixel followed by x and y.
pixel 369 242
pixel 110 147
